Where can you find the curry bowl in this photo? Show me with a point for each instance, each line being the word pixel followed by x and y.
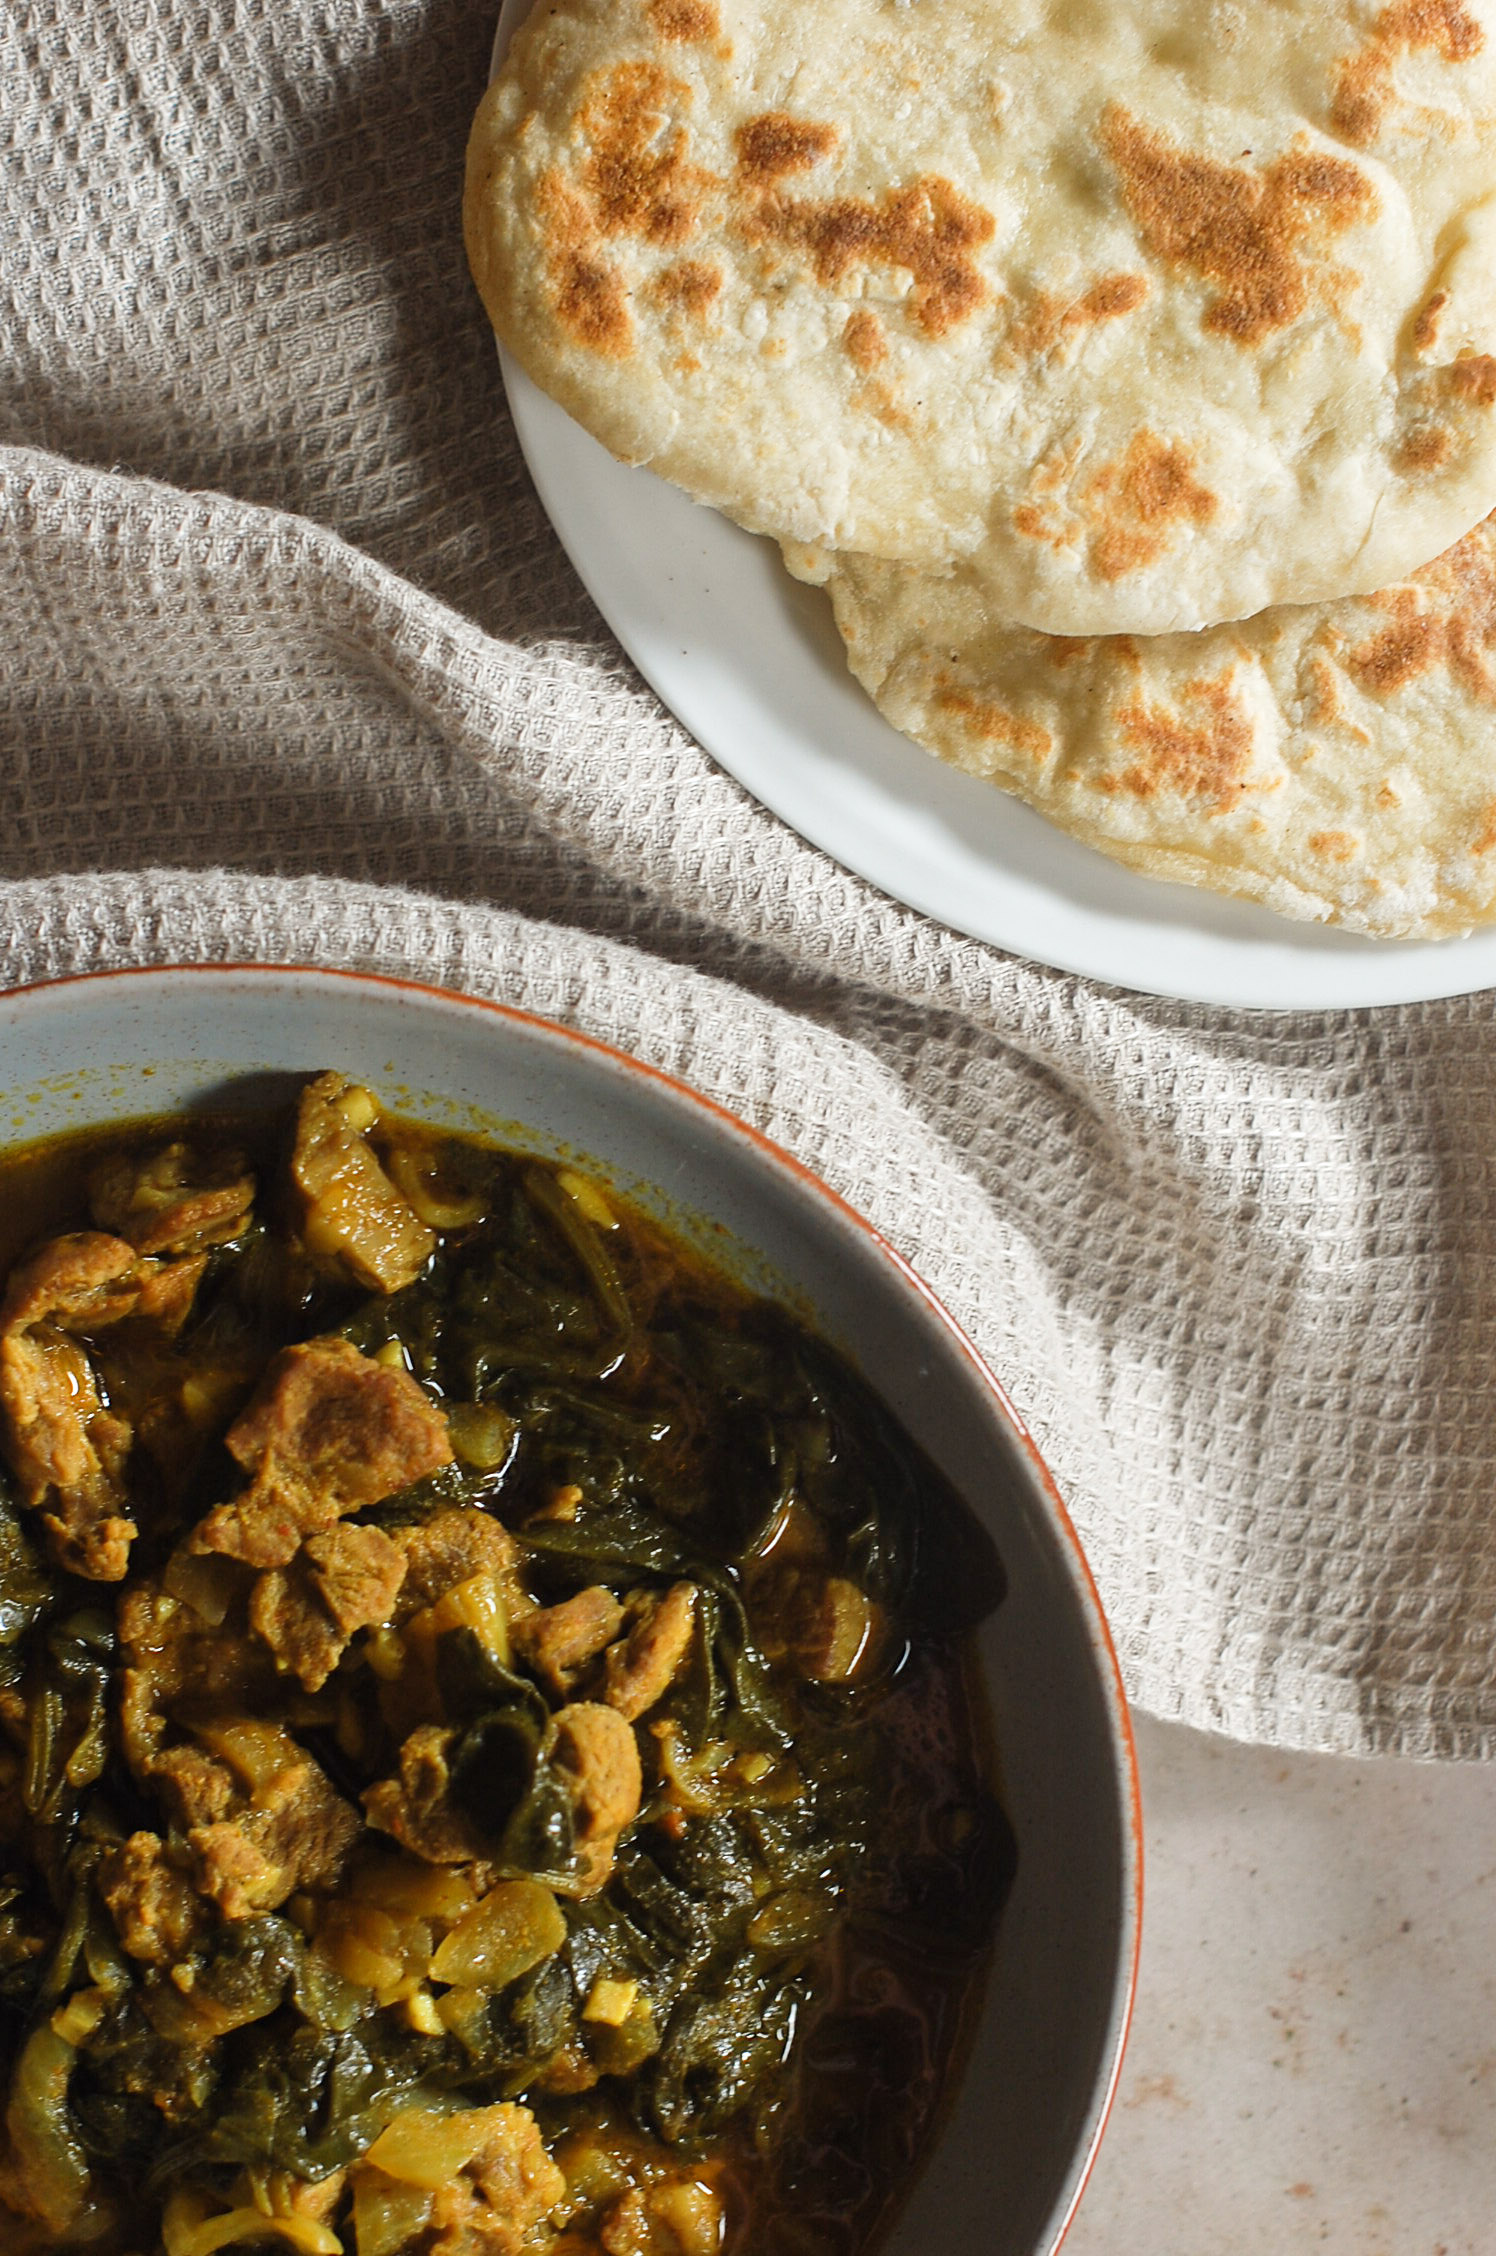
pixel 1020 2124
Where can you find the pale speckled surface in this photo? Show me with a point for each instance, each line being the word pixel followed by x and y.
pixel 1313 2056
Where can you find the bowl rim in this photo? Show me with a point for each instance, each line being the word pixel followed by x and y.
pixel 682 1092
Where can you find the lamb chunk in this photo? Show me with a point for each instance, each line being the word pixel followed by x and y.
pixel 595 1752
pixel 559 1641
pixel 354 1216
pixel 157 1912
pixel 461 1571
pixel 417 1808
pixel 144 1623
pixel 451 1547
pixel 640 1668
pixel 359 1571
pixel 235 1871
pixel 176 1664
pixel 68 1453
pixel 167 1291
pixel 80 1283
pixel 676 2216
pixel 196 1788
pixel 833 1632
pixel 498 2202
pixel 87 1539
pixel 85 1282
pixel 328 1432
pixel 172 1201
pixel 260 1816
pixel 345 1580
pixel 294 1831
pixel 515 2173
pixel 287 1612
pixel 66 1446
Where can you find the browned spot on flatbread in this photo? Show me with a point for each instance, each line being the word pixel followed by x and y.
pixel 1036 330
pixel 994 724
pixel 879 398
pixel 863 340
pixel 1334 845
pixel 1412 645
pixel 1445 617
pixel 1485 837
pixel 634 179
pixel 775 145
pixel 1109 299
pixel 1136 502
pixel 1472 378
pixel 1048 319
pixel 1426 448
pixel 1364 89
pixel 1246 232
pixel 1465 578
pixel 1426 327
pixel 1154 482
pixel 928 228
pixel 1328 708
pixel 1325 687
pixel 636 174
pixel 1201 751
pixel 1036 524
pixel 690 287
pixel 1387 799
pixel 681 20
pixel 587 293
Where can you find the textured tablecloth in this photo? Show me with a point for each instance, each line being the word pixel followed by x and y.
pixel 1239 1272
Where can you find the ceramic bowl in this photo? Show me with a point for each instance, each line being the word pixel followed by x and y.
pixel 1022 2126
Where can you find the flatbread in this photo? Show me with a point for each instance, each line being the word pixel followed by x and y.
pixel 1176 309
pixel 1333 761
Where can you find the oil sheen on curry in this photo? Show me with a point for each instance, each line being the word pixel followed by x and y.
pixel 487 1759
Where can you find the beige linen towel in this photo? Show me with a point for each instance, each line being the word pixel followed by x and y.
pixel 1239 1272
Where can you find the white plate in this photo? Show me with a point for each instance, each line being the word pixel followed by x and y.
pixel 749 661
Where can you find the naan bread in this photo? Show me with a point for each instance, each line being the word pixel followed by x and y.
pixel 1334 761
pixel 1177 308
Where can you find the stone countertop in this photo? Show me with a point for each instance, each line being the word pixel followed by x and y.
pixel 1313 2055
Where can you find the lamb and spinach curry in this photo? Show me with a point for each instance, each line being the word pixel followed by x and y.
pixel 486 1761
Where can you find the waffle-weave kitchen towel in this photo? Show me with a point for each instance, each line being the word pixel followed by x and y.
pixel 1239 1272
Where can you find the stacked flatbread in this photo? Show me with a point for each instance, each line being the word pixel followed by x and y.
pixel 1126 372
